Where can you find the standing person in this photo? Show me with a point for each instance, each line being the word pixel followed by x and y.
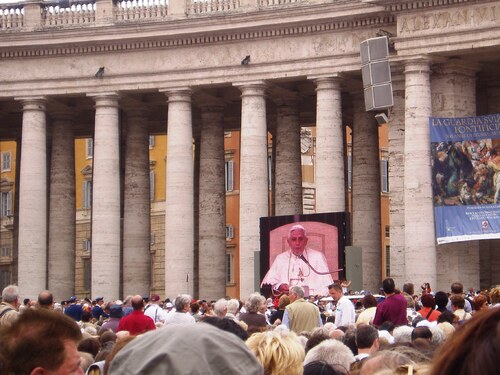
pixel 428 310
pixel 182 313
pixel 255 321
pixel 370 304
pixel 457 289
pixel 277 316
pixel 301 315
pixel 9 305
pixel 115 315
pixel 31 345
pixel 393 308
pixel 97 310
pixel 136 322
pixel 299 266
pixel 154 310
pixel 45 300
pixel 74 310
pixel 344 312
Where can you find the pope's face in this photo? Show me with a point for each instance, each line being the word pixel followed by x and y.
pixel 297 242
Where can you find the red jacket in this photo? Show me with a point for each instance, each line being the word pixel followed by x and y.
pixel 136 323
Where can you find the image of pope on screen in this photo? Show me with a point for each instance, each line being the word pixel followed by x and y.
pixel 300 265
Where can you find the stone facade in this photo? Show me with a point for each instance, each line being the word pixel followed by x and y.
pixel 99 59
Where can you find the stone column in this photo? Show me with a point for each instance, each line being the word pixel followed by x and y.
pixel 179 207
pixel 212 205
pixel 366 193
pixel 136 202
pixel 32 248
pixel 454 95
pixel 420 243
pixel 106 199
pixel 62 226
pixel 288 175
pixel 330 184
pixel 253 180
pixel 396 133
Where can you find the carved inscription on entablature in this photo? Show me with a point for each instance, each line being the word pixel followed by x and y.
pixel 466 18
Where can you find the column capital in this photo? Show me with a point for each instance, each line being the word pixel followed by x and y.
pixel 33 102
pixel 327 82
pixel 251 88
pixel 105 99
pixel 420 64
pixel 178 94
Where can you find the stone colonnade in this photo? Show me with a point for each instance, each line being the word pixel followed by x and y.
pixel 120 263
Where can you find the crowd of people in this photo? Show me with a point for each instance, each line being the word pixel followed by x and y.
pixel 397 332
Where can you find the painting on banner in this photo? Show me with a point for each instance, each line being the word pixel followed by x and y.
pixel 465 154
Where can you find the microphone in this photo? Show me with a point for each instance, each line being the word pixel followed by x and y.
pixel 317 272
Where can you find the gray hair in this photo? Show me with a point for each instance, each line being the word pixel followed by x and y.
pixel 233 306
pixel 181 301
pixel 333 352
pixel 254 302
pixel 10 293
pixel 298 290
pixel 220 307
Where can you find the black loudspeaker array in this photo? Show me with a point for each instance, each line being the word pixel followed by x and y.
pixel 376 73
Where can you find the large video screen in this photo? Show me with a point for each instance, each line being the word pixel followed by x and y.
pixel 303 250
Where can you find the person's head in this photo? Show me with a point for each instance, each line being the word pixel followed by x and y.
pixel 10 294
pixel 472 349
pixel 422 332
pixel 369 301
pixel 116 311
pixel 40 342
pixel 46 300
pixel 296 292
pixel 137 302
pixel 441 299
pixel 317 336
pixel 220 307
pixel 320 368
pixel 447 316
pixel 90 345
pixel 495 295
pixel 427 300
pixel 335 291
pixel 333 352
pixel 457 302
pixel 409 288
pixel 457 288
pixel 279 352
pixel 183 303
pixel 388 286
pixel 195 307
pixel 254 303
pixel 480 302
pixel 155 298
pixel 283 302
pixel 402 334
pixel 367 337
pixel 233 306
pixel 297 239
pixel 194 349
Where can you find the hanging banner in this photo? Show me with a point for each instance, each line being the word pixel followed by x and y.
pixel 465 154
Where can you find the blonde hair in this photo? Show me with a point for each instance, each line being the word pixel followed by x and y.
pixel 279 352
pixel 495 294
